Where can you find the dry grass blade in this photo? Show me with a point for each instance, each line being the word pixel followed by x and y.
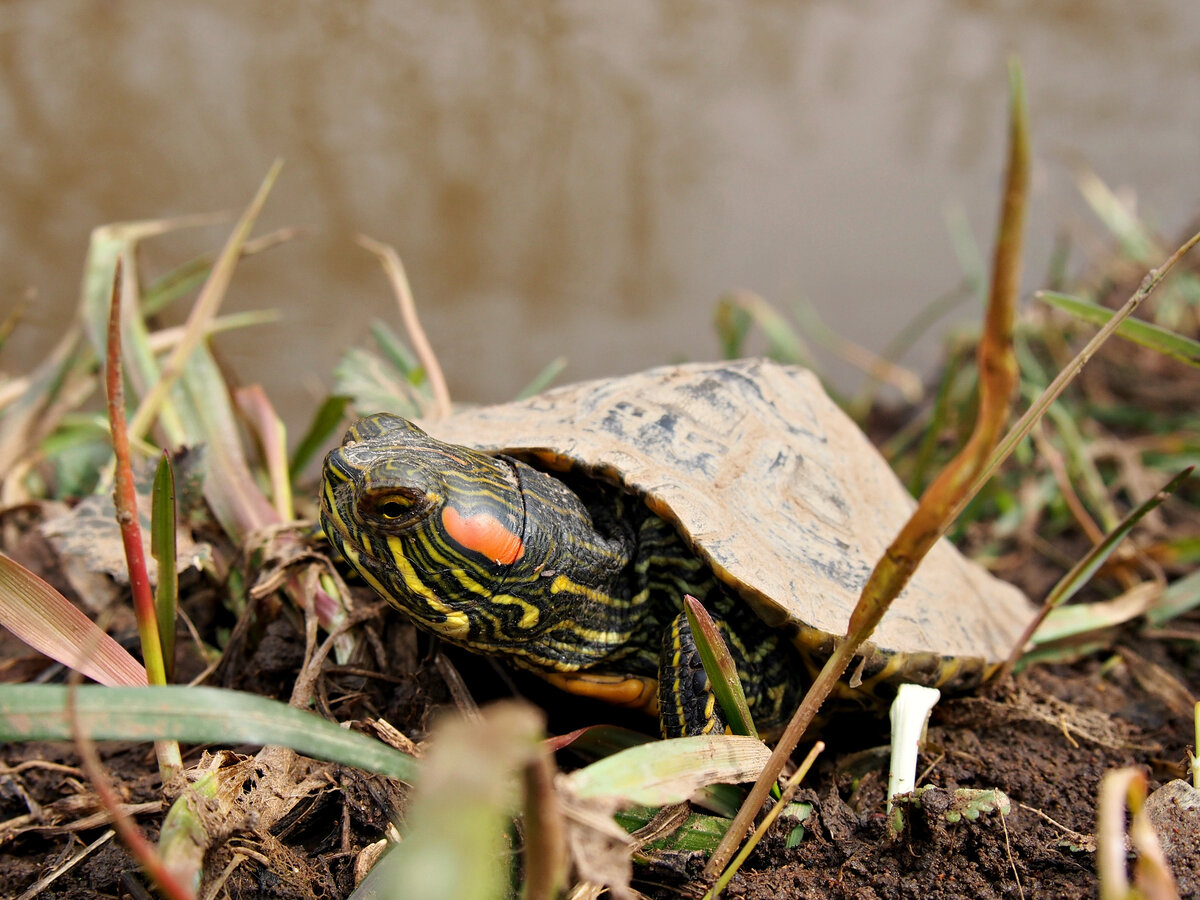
pixel 948 494
pixel 394 268
pixel 205 308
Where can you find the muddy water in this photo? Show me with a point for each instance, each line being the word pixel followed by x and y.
pixel 578 178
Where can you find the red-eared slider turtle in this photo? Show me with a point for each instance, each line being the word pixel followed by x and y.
pixel 562 532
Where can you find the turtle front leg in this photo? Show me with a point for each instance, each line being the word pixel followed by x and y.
pixel 686 702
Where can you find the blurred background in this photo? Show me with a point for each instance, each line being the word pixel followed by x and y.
pixel 574 178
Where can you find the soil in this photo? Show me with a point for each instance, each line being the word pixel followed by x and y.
pixel 1045 740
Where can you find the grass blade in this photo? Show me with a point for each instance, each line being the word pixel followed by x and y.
pixel 272 438
pixel 394 268
pixel 671 771
pixel 324 423
pixel 162 548
pixel 1178 598
pixel 51 624
pixel 1147 334
pixel 205 308
pixel 738 310
pixel 789 791
pixel 544 378
pixel 1083 570
pixel 719 667
pixel 38 712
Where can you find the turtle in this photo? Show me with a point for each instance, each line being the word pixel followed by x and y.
pixel 561 533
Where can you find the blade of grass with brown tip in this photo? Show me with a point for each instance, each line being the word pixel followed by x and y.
pixel 948 493
pixel 719 667
pixel 51 624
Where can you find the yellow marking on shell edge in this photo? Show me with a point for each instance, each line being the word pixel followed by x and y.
pixel 631 691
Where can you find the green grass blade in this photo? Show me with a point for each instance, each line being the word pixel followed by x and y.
pixel 698 833
pixel 544 378
pixel 396 352
pixel 38 712
pixel 1083 570
pixel 737 311
pixel 1179 597
pixel 162 548
pixel 720 668
pixel 324 423
pixel 1147 334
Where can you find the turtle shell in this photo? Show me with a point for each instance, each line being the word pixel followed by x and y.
pixel 770 482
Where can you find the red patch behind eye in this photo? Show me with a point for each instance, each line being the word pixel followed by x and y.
pixel 485 534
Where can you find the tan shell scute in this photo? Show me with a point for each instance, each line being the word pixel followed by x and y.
pixel 772 483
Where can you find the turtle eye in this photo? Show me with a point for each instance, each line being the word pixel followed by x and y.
pixel 393 509
pixel 394 506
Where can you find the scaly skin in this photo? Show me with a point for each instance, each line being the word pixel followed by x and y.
pixel 576 581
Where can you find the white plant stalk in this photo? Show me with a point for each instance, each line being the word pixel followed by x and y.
pixel 1196 753
pixel 909 715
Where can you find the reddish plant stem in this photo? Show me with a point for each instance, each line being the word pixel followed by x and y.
pixel 125 498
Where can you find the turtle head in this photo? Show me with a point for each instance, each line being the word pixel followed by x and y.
pixel 435 528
